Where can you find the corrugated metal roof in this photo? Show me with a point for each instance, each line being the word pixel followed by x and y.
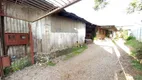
pixel 46 5
pixel 74 17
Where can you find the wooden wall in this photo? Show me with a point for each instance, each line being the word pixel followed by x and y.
pixel 50 34
pixel 101 33
pixel 55 33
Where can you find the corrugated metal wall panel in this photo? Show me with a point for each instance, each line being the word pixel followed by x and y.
pixel 16 26
pixel 137 32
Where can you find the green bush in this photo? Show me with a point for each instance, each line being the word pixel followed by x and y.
pixel 125 34
pixel 138 77
pixel 136 45
pixel 130 38
pixel 136 52
pixel 95 38
pixel 18 64
pixel 131 41
pixel 50 63
pixel 137 64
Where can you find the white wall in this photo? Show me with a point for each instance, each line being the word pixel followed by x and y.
pixel 137 32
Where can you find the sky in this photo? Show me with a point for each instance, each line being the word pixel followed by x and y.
pixel 113 14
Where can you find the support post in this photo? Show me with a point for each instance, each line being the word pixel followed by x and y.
pixel 1 39
pixel 31 44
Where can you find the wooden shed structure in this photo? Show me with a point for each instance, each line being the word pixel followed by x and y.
pixel 105 30
pixel 28 27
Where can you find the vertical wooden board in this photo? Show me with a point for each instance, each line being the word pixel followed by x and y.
pixel 0 51
pixel 65 32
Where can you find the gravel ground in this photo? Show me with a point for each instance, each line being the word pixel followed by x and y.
pixel 98 62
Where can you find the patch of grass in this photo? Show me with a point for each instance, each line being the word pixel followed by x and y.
pixel 130 38
pixel 137 64
pixel 125 34
pixel 136 45
pixel 138 77
pixel 133 53
pixel 136 53
pixel 95 38
pixel 76 51
pixel 131 41
pixel 18 64
pixel 113 41
pixel 50 63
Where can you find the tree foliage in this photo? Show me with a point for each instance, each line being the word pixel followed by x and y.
pixel 100 4
pixel 135 5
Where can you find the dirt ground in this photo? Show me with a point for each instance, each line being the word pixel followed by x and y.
pixel 101 61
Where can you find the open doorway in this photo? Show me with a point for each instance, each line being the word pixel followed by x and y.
pixel 90 33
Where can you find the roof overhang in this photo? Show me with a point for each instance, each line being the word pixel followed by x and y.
pixel 109 27
pixel 50 6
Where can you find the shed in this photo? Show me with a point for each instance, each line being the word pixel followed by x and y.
pixel 59 31
pixel 38 26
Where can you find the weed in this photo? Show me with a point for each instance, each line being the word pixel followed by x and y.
pixel 136 45
pixel 133 53
pixel 17 65
pixel 95 38
pixel 137 64
pixel 138 77
pixel 125 34
pixel 130 38
pixel 50 63
pixel 75 51
pixel 113 41
pixel 7 70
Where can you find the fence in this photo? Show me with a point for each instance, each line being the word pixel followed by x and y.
pixel 137 32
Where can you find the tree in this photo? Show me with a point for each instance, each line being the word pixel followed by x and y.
pixel 135 5
pixel 100 4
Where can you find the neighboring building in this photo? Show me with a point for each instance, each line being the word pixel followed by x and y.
pixel 105 31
